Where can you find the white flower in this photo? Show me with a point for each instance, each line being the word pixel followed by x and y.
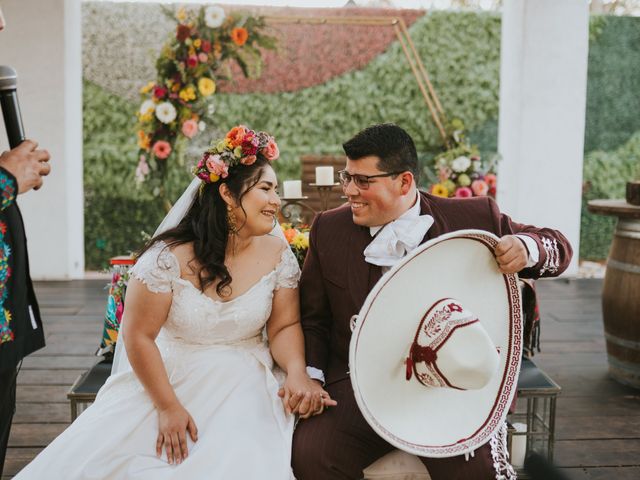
pixel 214 16
pixel 202 126
pixel 166 112
pixel 460 164
pixel 148 106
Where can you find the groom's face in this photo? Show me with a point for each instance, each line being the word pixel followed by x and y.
pixel 378 204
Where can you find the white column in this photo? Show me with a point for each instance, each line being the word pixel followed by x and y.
pixel 42 41
pixel 543 87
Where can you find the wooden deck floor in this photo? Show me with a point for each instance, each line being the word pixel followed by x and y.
pixel 598 421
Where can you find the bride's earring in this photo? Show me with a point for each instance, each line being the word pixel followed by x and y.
pixel 231 220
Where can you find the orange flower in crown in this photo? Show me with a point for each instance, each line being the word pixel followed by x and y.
pixel 240 146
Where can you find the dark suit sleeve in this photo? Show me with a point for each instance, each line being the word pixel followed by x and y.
pixel 314 304
pixel 8 189
pixel 554 248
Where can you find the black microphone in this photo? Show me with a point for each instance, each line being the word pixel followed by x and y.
pixel 10 106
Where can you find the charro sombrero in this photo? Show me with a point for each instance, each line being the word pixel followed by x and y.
pixel 435 352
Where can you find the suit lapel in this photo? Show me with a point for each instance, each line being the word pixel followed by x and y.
pixel 361 275
pixel 426 209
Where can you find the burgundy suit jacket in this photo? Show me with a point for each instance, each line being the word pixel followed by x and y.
pixel 336 279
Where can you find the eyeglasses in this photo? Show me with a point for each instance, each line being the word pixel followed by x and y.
pixel 361 181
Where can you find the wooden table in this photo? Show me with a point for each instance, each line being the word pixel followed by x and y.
pixel 621 291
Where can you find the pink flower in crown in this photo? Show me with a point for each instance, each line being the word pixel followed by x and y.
pixel 479 188
pixel 271 151
pixel 216 165
pixel 250 144
pixel 248 160
pixel 464 192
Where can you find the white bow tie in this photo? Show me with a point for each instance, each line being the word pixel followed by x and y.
pixel 396 239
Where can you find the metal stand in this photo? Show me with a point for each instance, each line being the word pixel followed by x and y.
pixel 325 193
pixel 292 208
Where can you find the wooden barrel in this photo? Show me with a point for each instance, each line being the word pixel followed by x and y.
pixel 621 292
pixel 621 303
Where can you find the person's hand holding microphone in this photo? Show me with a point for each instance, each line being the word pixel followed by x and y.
pixel 28 164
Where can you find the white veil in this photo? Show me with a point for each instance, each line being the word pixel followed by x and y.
pixel 173 218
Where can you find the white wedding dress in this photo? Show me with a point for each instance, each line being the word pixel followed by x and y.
pixel 222 372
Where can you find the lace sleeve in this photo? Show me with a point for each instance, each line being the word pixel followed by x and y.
pixel 287 271
pixel 157 268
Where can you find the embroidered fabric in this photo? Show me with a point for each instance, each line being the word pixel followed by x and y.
pixel 552 261
pixel 7 190
pixel 500 455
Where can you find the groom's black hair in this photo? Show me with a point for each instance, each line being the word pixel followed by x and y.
pixel 393 145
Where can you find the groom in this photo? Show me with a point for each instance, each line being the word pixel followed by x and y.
pixel 350 248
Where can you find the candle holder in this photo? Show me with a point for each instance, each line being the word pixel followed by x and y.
pixel 291 209
pixel 324 191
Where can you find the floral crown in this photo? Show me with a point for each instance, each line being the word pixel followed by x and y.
pixel 239 147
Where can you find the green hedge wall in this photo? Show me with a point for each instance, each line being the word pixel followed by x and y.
pixel 461 52
pixel 612 137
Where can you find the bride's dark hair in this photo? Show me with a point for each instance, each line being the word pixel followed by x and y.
pixel 207 226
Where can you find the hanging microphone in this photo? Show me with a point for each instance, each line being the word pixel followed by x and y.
pixel 10 106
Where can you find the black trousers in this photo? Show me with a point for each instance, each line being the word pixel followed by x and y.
pixel 7 409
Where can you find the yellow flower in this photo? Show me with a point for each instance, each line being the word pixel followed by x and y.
pixel 187 94
pixel 237 152
pixel 192 51
pixel 206 86
pixel 182 14
pixel 144 141
pixel 222 144
pixel 301 241
pixel 213 177
pixel 197 42
pixel 146 118
pixel 439 190
pixel 147 88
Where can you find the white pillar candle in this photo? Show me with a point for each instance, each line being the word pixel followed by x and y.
pixel 518 445
pixel 292 189
pixel 324 176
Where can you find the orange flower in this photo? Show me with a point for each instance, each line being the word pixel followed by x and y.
pixel 144 141
pixel 236 135
pixel 239 36
pixel 290 234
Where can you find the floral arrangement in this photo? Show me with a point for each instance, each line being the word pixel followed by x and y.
pixel 298 240
pixel 114 310
pixel 174 107
pixel 241 145
pixel 459 169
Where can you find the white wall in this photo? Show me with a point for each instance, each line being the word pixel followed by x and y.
pixel 543 87
pixel 42 41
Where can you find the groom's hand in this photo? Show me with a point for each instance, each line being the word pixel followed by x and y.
pixel 308 402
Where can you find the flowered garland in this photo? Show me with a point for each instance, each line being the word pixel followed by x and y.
pixel 239 146
pixel 298 239
pixel 174 107
pixel 459 169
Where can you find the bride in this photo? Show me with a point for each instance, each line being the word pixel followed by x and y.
pixel 194 390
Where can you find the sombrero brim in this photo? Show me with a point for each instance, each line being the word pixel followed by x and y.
pixel 436 422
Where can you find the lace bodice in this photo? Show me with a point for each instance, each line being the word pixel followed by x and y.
pixel 197 319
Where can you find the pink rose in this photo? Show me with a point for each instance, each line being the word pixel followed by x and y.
pixel 190 128
pixel 479 187
pixel 161 149
pixel 203 57
pixel 271 151
pixel 248 160
pixel 216 165
pixel 444 173
pixel 464 192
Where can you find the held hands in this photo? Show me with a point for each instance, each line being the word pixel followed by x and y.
pixel 303 396
pixel 173 423
pixel 27 164
pixel 511 254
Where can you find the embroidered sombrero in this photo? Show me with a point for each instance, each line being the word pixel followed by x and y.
pixel 435 352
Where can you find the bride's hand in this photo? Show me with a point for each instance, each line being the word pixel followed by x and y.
pixel 304 396
pixel 173 423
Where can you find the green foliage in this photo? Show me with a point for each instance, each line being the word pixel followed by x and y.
pixel 613 87
pixel 605 176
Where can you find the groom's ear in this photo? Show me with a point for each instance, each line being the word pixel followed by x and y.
pixel 407 182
